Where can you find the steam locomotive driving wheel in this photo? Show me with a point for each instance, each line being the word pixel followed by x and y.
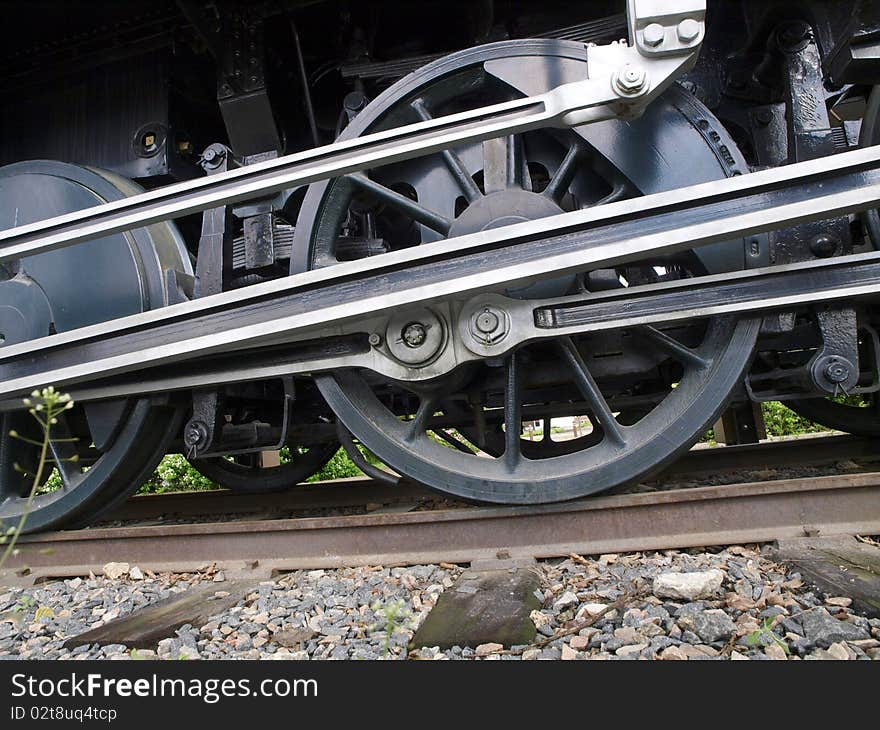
pixel 631 399
pixel 101 450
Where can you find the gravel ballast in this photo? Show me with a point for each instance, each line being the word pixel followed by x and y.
pixel 732 603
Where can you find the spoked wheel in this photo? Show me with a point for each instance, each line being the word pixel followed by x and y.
pixel 248 473
pixel 646 394
pixel 116 444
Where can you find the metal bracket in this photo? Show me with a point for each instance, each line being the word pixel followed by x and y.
pixel 214 260
pixel 659 28
pixel 229 439
pixel 198 434
pixel 834 369
pixel 241 87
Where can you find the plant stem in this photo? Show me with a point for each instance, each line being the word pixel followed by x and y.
pixel 44 453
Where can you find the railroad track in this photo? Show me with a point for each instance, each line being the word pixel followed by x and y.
pixel 360 492
pixel 699 516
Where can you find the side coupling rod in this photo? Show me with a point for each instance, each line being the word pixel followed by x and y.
pixel 325 319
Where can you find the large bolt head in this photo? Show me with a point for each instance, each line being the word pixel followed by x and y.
pixel 413 336
pixel 487 321
pixel 688 30
pixel 489 325
pixel 195 433
pixel 836 371
pixel 653 34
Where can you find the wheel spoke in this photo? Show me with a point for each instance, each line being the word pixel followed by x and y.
pixel 620 191
pixel 419 424
pixel 513 161
pixel 680 352
pixel 588 388
pixel 64 452
pixel 417 212
pixel 453 441
pixel 502 164
pixel 480 424
pixel 451 159
pixel 512 414
pixel 564 173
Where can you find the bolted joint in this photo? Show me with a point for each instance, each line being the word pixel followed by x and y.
pixel 213 157
pixel 414 334
pixel 489 325
pixel 824 245
pixel 836 371
pixel 653 35
pixel 630 80
pixel 834 374
pixel 688 30
pixel 196 435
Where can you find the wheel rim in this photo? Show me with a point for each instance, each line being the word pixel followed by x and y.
pixel 246 474
pixel 707 368
pixel 859 420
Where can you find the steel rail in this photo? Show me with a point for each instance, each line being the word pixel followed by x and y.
pixel 753 512
pixel 669 222
pixel 358 492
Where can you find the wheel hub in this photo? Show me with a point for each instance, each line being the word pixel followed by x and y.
pixel 25 313
pixel 503 208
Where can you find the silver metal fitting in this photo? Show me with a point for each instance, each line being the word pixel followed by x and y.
pixel 630 80
pixel 415 336
pixel 375 339
pixel 653 34
pixel 489 325
pixel 688 30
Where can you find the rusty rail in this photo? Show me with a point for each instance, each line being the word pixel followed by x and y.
pixel 751 512
pixel 802 451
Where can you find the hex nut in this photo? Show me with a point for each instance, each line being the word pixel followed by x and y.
pixel 630 80
pixel 489 324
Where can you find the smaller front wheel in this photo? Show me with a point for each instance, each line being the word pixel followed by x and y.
pixel 248 473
